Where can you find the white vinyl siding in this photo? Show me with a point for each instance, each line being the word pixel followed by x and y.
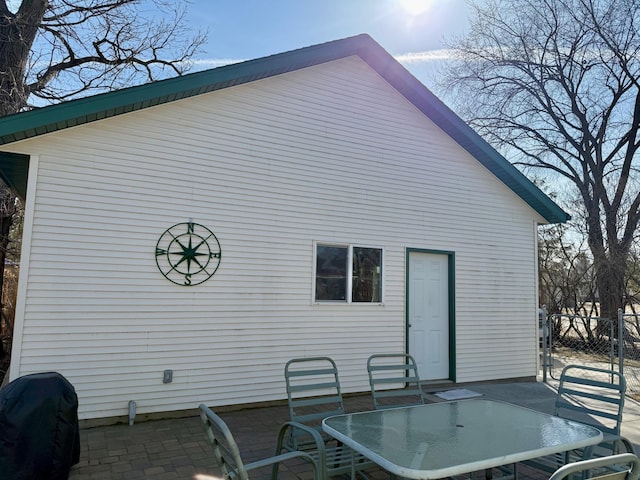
pixel 329 152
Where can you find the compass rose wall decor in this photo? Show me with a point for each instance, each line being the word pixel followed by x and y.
pixel 188 254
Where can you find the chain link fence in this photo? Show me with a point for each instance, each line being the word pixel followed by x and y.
pixel 592 341
pixel 630 361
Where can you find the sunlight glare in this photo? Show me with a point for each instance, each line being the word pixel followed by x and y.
pixel 415 7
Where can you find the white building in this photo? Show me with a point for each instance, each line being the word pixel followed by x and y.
pixel 352 213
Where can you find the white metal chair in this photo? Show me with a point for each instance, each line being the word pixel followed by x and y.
pixel 394 369
pixel 625 466
pixel 228 456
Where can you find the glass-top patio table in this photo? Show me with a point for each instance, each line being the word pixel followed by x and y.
pixel 452 438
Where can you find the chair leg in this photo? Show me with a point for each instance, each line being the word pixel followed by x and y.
pixel 488 473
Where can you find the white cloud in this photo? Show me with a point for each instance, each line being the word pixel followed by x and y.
pixel 411 58
pixel 215 62
pixel 423 57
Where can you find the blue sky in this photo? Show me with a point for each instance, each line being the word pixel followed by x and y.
pixel 410 30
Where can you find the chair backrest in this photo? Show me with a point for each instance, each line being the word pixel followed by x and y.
pixel 225 448
pixel 313 390
pixel 394 369
pixel 625 466
pixel 593 396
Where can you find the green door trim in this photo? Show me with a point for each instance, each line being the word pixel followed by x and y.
pixel 451 258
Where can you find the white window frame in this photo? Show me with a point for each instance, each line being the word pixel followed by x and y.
pixel 349 292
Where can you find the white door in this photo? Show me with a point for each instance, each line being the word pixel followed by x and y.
pixel 428 314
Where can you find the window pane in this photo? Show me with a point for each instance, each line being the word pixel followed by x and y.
pixel 331 273
pixel 367 275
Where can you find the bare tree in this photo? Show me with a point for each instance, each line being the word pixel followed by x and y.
pixel 9 208
pixel 566 279
pixel 555 85
pixel 51 51
pixel 59 49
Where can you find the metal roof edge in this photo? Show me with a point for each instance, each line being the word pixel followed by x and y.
pixel 95 107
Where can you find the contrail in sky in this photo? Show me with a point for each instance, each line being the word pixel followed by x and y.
pixel 409 58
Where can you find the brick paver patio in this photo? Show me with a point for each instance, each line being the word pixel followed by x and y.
pixel 178 448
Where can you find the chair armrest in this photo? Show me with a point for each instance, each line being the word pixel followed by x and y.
pixel 313 433
pixel 626 443
pixel 317 438
pixel 586 465
pixel 618 443
pixel 281 458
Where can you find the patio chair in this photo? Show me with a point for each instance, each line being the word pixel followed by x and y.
pixel 227 453
pixel 313 393
pixel 387 370
pixel 625 466
pixel 595 397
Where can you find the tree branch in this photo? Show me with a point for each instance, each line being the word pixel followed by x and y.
pixel 89 46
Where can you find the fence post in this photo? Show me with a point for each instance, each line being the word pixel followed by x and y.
pixel 543 322
pixel 620 341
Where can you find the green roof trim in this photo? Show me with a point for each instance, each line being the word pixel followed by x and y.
pixel 14 168
pixel 84 110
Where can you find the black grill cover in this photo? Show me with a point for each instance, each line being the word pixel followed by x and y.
pixel 39 435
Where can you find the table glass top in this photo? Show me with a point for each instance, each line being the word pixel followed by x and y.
pixel 448 438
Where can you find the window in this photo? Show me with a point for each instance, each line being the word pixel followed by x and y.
pixel 366 284
pixel 346 273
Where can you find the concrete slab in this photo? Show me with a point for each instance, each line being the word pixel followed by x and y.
pixel 534 395
pixel 541 396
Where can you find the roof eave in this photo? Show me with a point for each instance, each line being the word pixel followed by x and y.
pixel 84 110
